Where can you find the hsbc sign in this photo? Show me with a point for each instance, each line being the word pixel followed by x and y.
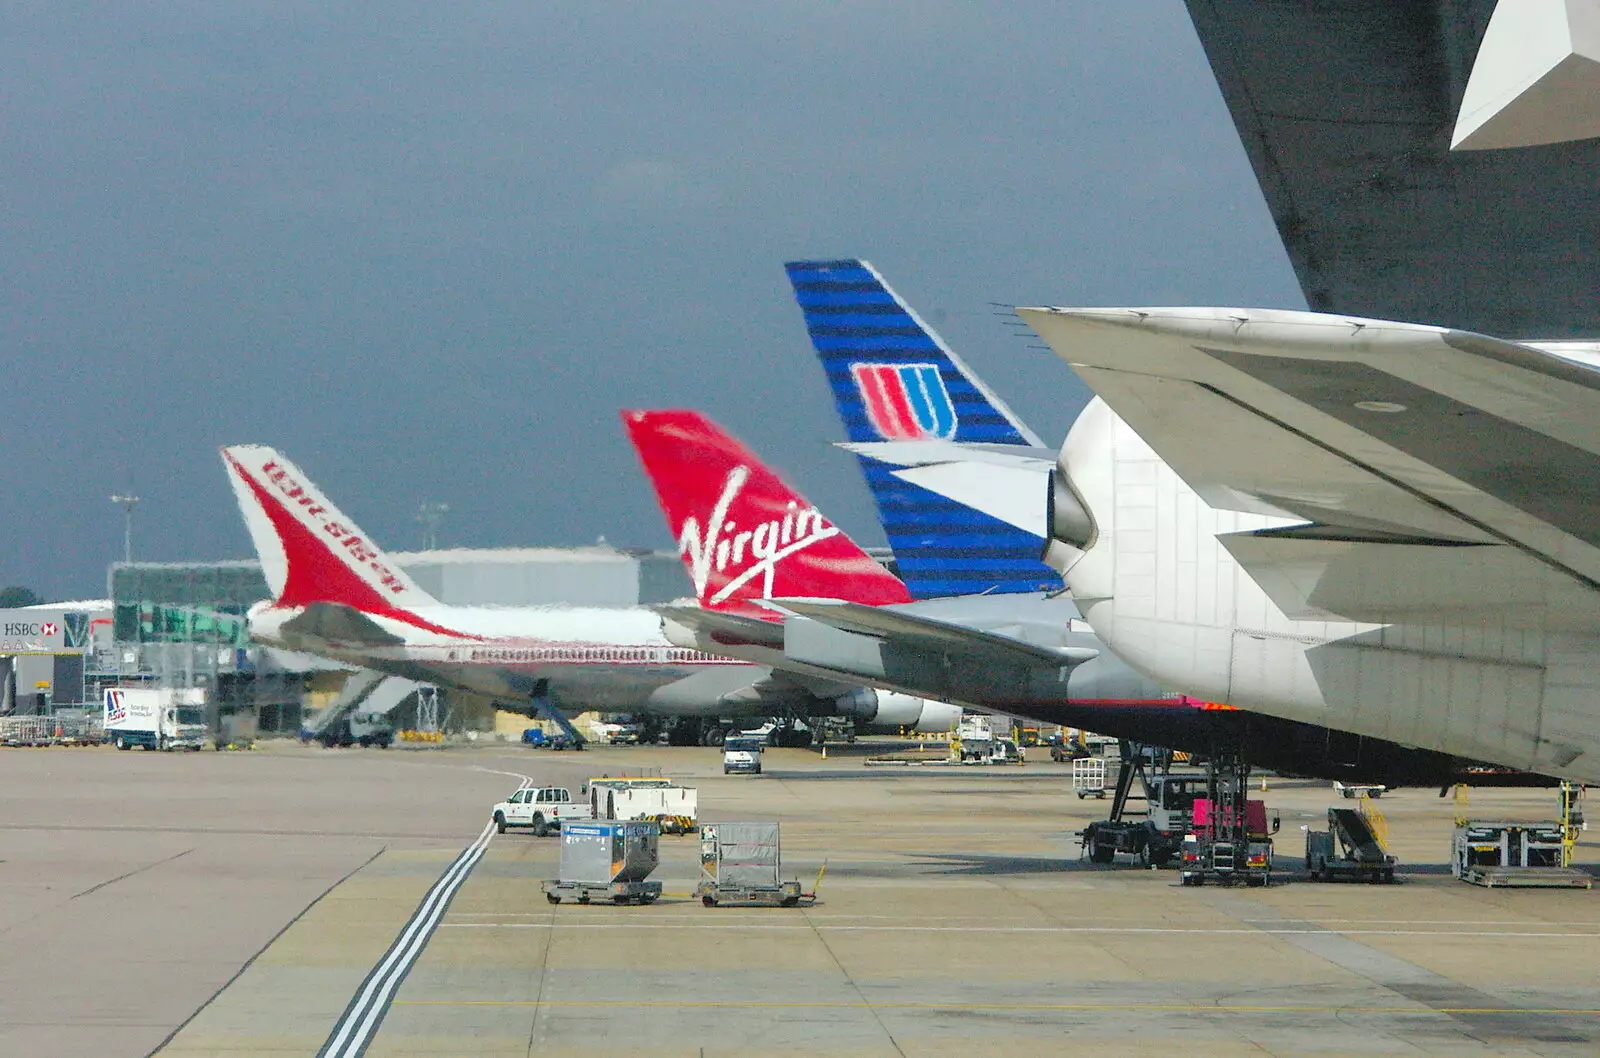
pixel 44 632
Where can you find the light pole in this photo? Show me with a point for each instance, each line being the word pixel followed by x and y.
pixel 430 515
pixel 127 503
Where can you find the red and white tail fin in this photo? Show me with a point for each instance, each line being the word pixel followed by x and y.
pixel 742 531
pixel 310 552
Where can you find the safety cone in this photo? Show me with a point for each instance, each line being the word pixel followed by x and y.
pixel 824 751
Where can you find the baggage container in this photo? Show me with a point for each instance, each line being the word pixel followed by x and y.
pixel 740 863
pixel 609 851
pixel 607 860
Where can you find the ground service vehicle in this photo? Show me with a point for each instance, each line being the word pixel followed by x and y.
pixel 155 717
pixel 1349 849
pixel 1156 838
pixel 542 810
pixel 742 754
pixel 675 808
pixel 1232 836
pixel 366 729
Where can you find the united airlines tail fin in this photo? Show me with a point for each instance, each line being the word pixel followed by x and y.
pixel 909 405
pixel 743 532
pixel 310 552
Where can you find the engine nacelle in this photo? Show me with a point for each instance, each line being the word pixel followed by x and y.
pixel 891 709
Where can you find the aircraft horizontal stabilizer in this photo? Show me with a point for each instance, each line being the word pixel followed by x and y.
pixel 930 634
pixel 331 622
pixel 729 629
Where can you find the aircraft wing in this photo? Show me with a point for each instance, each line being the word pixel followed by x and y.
pixel 1430 470
pixel 1346 112
pixel 932 634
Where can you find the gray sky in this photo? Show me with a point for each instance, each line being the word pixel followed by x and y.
pixel 428 250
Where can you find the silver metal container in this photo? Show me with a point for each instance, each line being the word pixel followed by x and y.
pixel 609 852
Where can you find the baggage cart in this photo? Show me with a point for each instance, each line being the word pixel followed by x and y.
pixel 1089 777
pixel 1497 854
pixel 740 864
pixel 607 861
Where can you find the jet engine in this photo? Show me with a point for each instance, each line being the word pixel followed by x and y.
pixel 891 709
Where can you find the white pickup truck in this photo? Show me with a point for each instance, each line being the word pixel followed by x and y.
pixel 542 810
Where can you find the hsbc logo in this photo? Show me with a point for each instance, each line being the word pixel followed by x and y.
pixel 28 628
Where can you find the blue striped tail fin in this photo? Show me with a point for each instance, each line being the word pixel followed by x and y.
pixel 894 380
pixel 892 376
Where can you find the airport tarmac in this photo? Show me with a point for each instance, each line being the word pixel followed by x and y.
pixel 209 904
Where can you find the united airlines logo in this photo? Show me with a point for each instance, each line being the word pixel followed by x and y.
pixel 724 545
pixel 116 711
pixel 905 402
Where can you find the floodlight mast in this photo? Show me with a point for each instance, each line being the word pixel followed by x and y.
pixel 127 502
pixel 430 515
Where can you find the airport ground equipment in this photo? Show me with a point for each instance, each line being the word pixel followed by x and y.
pixel 546 711
pixel 237 729
pixel 62 728
pixel 974 739
pixel 676 809
pixel 1063 748
pixel 155 717
pixel 1089 777
pixel 358 729
pixel 1354 790
pixel 742 753
pixel 1152 836
pixel 607 861
pixel 1230 839
pixel 1349 850
pixel 1509 855
pixel 740 864
pixel 543 811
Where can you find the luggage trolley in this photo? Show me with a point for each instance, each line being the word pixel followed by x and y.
pixel 739 864
pixel 1089 777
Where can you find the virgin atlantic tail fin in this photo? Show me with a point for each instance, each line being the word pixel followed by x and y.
pixel 310 552
pixel 743 532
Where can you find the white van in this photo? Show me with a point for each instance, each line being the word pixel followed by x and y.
pixel 742 752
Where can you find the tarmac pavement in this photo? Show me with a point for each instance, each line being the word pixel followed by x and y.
pixel 247 897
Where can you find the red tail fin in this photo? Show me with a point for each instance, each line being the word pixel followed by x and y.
pixel 743 532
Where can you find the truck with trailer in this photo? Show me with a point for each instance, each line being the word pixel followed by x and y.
pixel 163 718
pixel 542 810
pixel 676 809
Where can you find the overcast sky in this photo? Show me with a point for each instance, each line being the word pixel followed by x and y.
pixel 429 250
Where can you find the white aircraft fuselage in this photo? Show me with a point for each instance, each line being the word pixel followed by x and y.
pixel 580 658
pixel 1160 588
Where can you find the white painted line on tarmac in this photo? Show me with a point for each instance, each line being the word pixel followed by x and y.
pixel 354 1031
pixel 747 926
